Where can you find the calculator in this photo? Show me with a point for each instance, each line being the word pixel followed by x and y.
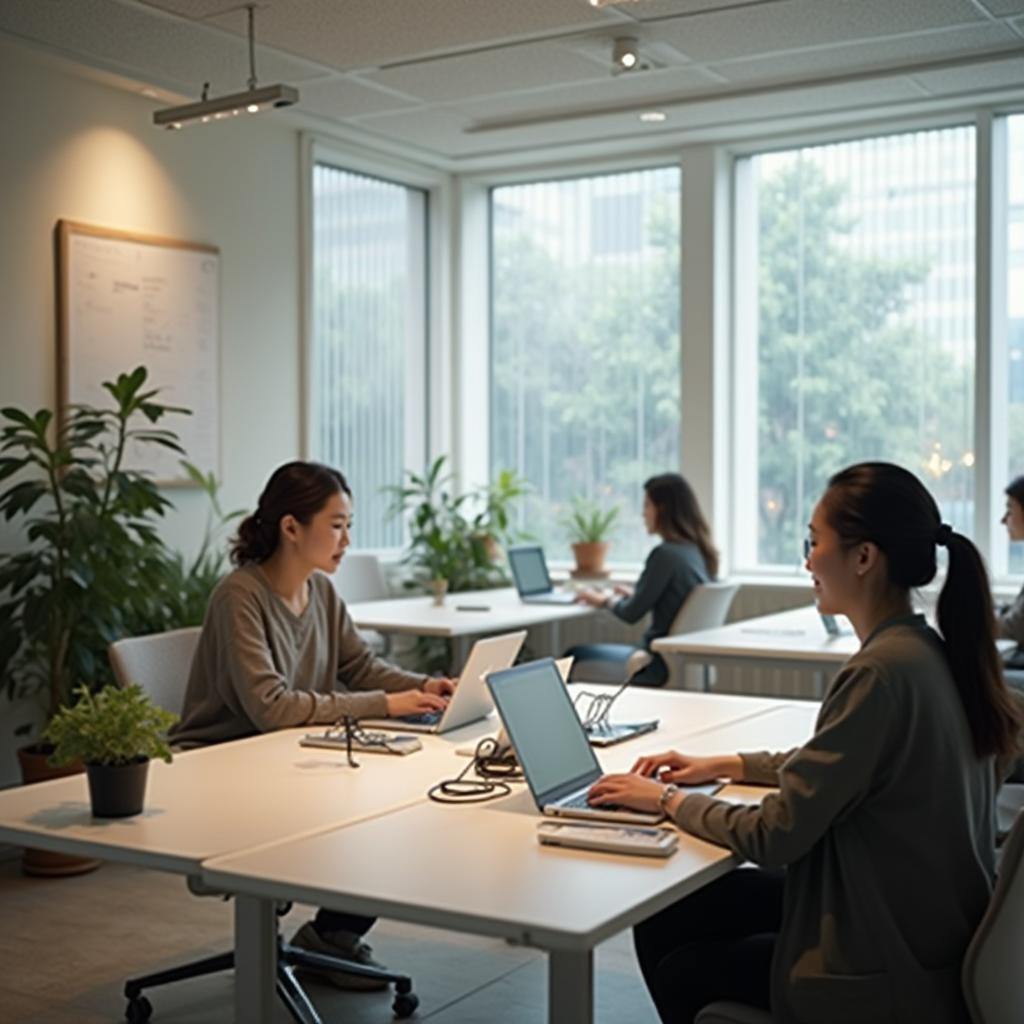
pixel 638 840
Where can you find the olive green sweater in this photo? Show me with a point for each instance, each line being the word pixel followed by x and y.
pixel 885 822
pixel 260 667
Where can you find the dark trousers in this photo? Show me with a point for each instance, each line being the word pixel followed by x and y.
pixel 327 921
pixel 715 944
pixel 606 663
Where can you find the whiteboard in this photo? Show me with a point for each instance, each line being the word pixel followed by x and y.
pixel 131 300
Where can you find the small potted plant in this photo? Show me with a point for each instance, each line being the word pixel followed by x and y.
pixel 589 526
pixel 114 733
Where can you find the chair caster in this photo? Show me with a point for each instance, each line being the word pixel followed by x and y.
pixel 138 1011
pixel 405 1005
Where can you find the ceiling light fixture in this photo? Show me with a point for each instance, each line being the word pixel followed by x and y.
pixel 625 54
pixel 653 116
pixel 252 101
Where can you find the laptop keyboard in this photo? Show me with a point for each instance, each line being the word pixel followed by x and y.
pixel 427 718
pixel 580 800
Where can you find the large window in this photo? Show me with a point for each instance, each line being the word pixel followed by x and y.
pixel 1012 322
pixel 368 358
pixel 855 326
pixel 585 344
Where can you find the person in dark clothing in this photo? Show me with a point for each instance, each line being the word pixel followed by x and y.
pixel 684 558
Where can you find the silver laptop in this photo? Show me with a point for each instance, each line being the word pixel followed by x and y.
pixel 550 744
pixel 471 700
pixel 530 572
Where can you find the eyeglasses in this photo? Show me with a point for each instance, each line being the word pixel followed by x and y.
pixel 807 548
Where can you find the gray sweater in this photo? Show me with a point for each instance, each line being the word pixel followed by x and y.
pixel 671 571
pixel 1011 620
pixel 885 822
pixel 260 667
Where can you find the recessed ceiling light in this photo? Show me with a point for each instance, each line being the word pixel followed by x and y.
pixel 653 116
pixel 625 54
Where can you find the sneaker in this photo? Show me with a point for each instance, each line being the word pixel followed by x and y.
pixel 344 946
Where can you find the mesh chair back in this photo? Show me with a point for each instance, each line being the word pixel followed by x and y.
pixel 705 607
pixel 159 664
pixel 992 977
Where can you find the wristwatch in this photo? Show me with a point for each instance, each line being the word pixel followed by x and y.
pixel 666 794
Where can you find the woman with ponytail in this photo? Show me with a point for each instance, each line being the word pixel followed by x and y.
pixel 883 821
pixel 278 649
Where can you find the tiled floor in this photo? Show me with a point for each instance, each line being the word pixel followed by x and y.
pixel 67 945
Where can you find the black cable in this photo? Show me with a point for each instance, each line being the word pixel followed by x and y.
pixel 495 770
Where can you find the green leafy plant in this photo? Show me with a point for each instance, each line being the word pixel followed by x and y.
pixel 588 523
pixel 112 727
pixel 92 566
pixel 446 539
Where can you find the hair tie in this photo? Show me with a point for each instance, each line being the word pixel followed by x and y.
pixel 943 535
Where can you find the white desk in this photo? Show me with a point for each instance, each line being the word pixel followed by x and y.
pixel 504 611
pixel 479 869
pixel 794 639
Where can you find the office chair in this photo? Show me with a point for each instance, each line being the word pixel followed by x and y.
pixel 992 981
pixel 361 578
pixel 705 607
pixel 160 664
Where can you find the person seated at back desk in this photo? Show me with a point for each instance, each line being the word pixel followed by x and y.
pixel 685 558
pixel 278 649
pixel 1010 618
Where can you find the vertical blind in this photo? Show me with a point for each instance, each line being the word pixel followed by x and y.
pixel 369 338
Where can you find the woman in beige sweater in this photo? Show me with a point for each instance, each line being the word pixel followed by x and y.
pixel 875 858
pixel 278 649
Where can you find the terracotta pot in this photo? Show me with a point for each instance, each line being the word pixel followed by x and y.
pixel 439 588
pixel 590 558
pixel 43 863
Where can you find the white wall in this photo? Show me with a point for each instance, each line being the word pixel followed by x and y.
pixel 73 148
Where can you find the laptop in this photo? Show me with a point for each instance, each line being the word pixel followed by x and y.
pixel 471 700
pixel 550 744
pixel 530 572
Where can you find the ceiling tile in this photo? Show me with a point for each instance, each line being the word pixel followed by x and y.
pixel 1001 8
pixel 797 24
pixel 369 33
pixel 878 53
pixel 996 75
pixel 153 48
pixel 490 71
pixel 344 97
pixel 654 87
pixel 647 10
pixel 435 129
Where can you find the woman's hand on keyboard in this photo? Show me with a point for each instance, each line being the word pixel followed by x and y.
pixel 689 771
pixel 631 791
pixel 441 687
pixel 413 702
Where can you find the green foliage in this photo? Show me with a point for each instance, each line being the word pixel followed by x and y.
pixel 94 567
pixel 588 523
pixel 113 726
pixel 840 378
pixel 447 540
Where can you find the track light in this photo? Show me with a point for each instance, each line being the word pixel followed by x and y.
pixel 625 54
pixel 251 101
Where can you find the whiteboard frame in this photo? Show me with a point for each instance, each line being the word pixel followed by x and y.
pixel 66 345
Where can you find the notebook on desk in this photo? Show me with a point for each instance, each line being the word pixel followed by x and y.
pixel 471 700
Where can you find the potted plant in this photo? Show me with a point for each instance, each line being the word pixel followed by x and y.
pixel 114 733
pixel 589 526
pixel 92 566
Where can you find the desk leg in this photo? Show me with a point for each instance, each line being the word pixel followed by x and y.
pixel 255 959
pixel 553 637
pixel 460 653
pixel 571 987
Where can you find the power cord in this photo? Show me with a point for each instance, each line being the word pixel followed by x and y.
pixel 494 768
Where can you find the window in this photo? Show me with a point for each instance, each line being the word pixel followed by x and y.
pixel 855 326
pixel 369 339
pixel 585 376
pixel 1013 314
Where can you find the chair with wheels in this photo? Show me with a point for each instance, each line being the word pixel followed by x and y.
pixel 706 606
pixel 160 664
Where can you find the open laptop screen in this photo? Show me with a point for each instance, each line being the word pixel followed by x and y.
pixel 530 570
pixel 544 729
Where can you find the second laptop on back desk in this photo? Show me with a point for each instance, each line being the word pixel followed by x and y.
pixel 471 700
pixel 533 581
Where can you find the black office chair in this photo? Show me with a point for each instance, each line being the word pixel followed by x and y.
pixel 160 665
pixel 293 995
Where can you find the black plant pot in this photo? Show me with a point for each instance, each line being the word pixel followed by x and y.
pixel 117 790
